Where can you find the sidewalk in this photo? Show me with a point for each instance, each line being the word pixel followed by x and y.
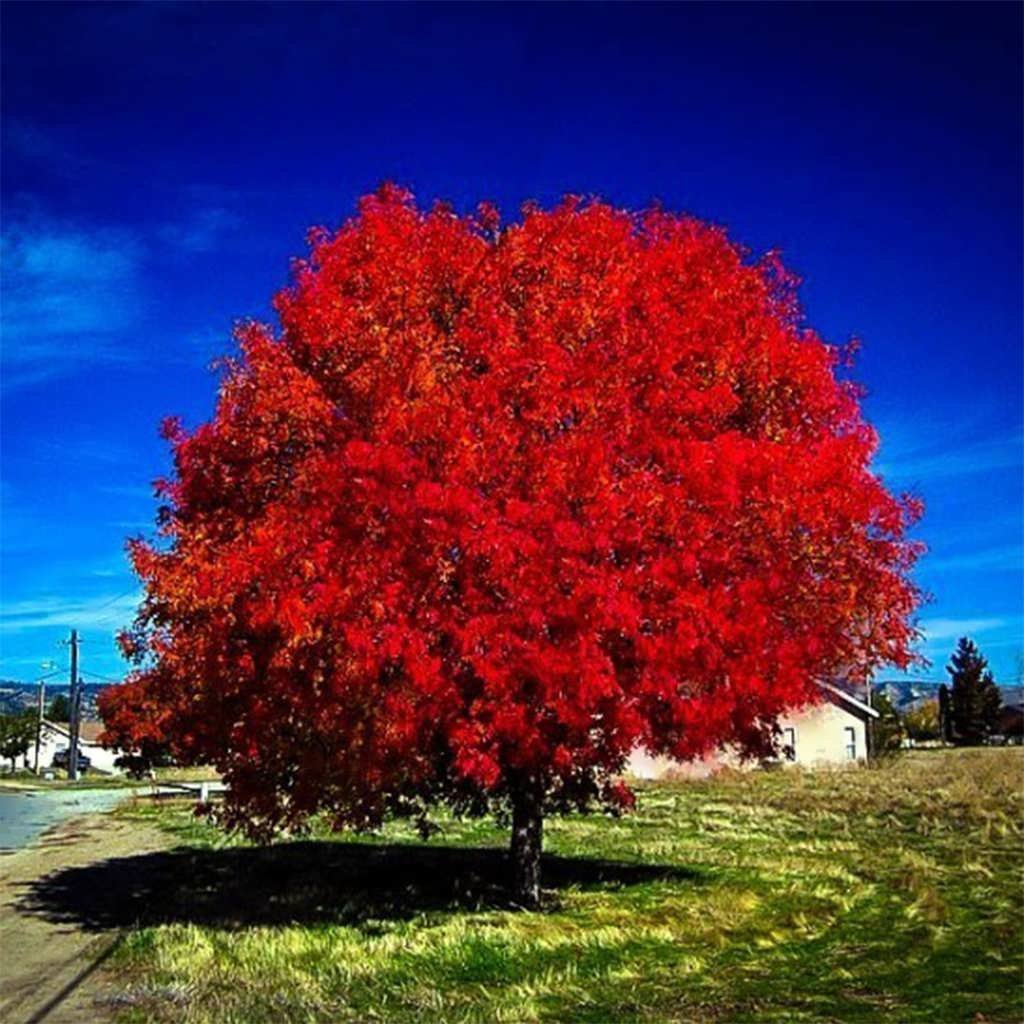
pixel 50 968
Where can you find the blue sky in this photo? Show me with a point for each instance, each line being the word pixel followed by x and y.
pixel 162 162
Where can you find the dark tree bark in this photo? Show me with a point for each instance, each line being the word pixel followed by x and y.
pixel 527 836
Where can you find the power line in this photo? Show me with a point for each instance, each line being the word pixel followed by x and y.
pixel 119 597
pixel 49 675
pixel 96 675
pixel 110 601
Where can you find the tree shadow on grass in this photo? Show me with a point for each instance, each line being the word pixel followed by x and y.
pixel 304 883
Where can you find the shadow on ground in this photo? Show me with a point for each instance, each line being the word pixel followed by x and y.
pixel 303 883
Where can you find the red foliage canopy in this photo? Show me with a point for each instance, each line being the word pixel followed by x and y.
pixel 498 505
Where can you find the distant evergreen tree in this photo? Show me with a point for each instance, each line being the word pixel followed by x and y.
pixel 59 709
pixel 991 704
pixel 885 731
pixel 975 700
pixel 945 715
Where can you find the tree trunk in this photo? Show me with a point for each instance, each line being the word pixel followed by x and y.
pixel 527 835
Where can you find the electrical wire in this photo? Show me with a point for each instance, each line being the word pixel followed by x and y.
pixel 96 675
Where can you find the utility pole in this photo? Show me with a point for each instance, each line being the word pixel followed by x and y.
pixel 73 710
pixel 45 667
pixel 39 721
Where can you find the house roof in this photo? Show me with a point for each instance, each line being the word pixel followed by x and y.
pixel 88 729
pixel 858 706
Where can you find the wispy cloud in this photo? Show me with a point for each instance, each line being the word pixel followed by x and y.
pixel 50 154
pixel 951 458
pixel 996 559
pixel 948 629
pixel 200 231
pixel 75 294
pixel 51 612
pixel 69 296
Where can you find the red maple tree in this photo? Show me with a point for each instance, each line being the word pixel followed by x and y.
pixel 498 505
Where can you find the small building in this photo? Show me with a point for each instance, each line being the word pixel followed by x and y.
pixel 834 732
pixel 55 737
pixel 1011 724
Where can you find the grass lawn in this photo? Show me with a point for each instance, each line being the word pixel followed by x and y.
pixel 889 893
pixel 25 779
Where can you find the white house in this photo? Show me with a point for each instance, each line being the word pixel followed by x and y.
pixel 55 738
pixel 833 732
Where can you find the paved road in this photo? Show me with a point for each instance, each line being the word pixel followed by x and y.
pixel 27 814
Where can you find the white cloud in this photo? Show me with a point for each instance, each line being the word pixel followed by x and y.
pixel 947 629
pixel 997 559
pixel 49 612
pixel 930 463
pixel 69 296
pixel 74 294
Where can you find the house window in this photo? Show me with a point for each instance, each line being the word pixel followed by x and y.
pixel 851 743
pixel 789 744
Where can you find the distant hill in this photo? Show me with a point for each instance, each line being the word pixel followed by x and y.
pixel 907 693
pixel 16 697
pixel 904 694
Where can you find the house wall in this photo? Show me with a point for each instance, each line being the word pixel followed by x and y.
pixel 820 735
pixel 642 765
pixel 819 739
pixel 53 741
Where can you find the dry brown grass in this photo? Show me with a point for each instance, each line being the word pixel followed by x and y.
pixel 873 894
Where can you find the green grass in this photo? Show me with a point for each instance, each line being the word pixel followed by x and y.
pixel 875 894
pixel 25 779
